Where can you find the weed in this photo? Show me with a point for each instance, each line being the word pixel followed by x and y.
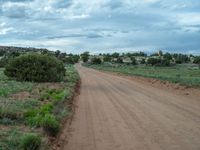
pixel 50 125
pixel 31 141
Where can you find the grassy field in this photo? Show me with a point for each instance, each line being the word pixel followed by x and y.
pixel 30 112
pixel 187 75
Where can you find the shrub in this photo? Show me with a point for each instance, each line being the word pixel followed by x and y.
pixel 50 125
pixel 165 62
pixel 153 61
pixel 96 60
pixel 31 141
pixel 107 58
pixel 197 60
pixel 36 67
pixel 85 56
pixel 143 61
pixel 133 61
pixel 3 62
pixel 119 60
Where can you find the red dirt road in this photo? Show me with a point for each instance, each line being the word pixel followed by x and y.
pixel 114 113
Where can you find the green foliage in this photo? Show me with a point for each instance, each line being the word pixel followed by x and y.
pixel 34 117
pixel 133 61
pixel 119 60
pixel 143 61
pixel 36 67
pixel 71 59
pixel 3 62
pixel 180 58
pixel 50 125
pixel 167 56
pixel 31 141
pixel 96 60
pixel 115 55
pixel 182 74
pixel 10 140
pixel 12 110
pixel 158 62
pixel 153 61
pixel 7 112
pixel 85 56
pixel 11 87
pixel 197 60
pixel 165 62
pixel 107 58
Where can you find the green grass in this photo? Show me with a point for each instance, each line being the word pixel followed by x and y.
pixel 8 86
pixel 14 139
pixel 44 108
pixel 182 74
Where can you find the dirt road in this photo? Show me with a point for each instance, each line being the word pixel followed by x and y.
pixel 114 113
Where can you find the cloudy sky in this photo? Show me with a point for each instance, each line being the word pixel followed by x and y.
pixel 102 25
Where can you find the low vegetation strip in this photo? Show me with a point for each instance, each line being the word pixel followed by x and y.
pixel 30 112
pixel 183 74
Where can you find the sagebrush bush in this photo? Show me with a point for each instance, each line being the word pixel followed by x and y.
pixel 50 125
pixel 31 141
pixel 96 60
pixel 35 68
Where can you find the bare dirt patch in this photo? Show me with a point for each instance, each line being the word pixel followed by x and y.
pixel 20 96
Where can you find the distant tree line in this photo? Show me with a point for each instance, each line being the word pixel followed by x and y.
pixel 8 53
pixel 156 59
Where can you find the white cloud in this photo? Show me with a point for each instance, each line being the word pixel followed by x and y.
pixel 101 24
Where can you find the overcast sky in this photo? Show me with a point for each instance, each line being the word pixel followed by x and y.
pixel 102 25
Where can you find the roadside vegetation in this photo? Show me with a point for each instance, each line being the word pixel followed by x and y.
pixel 32 104
pixel 176 68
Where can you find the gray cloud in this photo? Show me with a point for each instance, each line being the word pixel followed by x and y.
pixel 101 25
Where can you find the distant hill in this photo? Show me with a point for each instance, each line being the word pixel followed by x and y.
pixel 9 49
pixel 21 49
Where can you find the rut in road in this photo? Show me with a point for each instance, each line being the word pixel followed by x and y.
pixel 115 113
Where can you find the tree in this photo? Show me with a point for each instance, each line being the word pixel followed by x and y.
pixel 165 62
pixel 143 61
pixel 107 58
pixel 96 60
pixel 133 61
pixel 167 56
pixel 115 55
pixel 36 68
pixel 119 60
pixel 180 58
pixel 71 59
pixel 85 56
pixel 153 61
pixel 57 53
pixel 197 60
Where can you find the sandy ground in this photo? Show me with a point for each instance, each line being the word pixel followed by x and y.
pixel 116 113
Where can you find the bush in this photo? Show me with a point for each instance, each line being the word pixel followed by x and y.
pixel 107 58
pixel 133 61
pixel 197 60
pixel 50 125
pixel 3 62
pixel 31 141
pixel 153 61
pixel 96 60
pixel 143 61
pixel 36 67
pixel 85 56
pixel 165 62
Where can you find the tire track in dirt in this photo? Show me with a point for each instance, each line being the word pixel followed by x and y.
pixel 115 113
